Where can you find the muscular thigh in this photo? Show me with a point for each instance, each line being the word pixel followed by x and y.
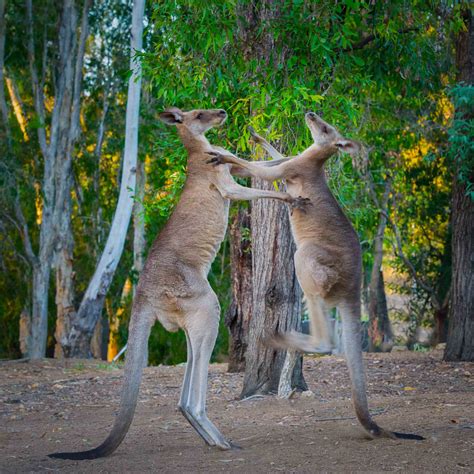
pixel 315 271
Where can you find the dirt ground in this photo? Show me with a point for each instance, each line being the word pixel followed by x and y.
pixel 69 405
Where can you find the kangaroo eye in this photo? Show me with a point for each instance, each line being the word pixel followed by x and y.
pixel 199 116
pixel 325 130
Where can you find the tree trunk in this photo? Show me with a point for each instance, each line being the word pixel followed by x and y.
pixel 65 310
pixel 100 337
pixel 239 313
pixel 25 332
pixel 69 132
pixel 276 295
pixel 440 331
pixel 36 346
pixel 380 333
pixel 93 301
pixel 460 341
pixel 380 329
pixel 285 388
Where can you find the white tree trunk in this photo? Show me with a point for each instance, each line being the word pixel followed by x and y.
pixel 92 303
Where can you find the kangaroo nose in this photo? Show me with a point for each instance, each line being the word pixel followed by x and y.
pixel 222 112
pixel 311 115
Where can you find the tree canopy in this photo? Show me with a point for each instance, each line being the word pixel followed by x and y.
pixel 382 72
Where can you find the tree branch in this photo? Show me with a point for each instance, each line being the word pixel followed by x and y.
pixel 24 232
pixel 369 38
pixel 3 103
pixel 76 101
pixel 398 249
pixel 37 90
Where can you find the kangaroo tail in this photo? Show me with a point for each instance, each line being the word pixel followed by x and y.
pixel 353 353
pixel 408 436
pixel 136 352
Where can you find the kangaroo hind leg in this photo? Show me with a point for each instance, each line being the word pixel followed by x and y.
pixel 201 331
pixel 319 340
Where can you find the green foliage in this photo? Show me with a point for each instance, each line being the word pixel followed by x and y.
pixel 461 135
pixel 377 72
pixel 382 71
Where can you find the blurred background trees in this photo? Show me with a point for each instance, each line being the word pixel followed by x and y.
pixel 395 75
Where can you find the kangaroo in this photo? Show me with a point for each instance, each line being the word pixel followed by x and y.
pixel 173 286
pixel 328 256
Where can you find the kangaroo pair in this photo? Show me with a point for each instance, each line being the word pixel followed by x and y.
pixel 173 286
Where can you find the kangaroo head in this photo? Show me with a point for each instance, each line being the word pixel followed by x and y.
pixel 326 137
pixel 198 122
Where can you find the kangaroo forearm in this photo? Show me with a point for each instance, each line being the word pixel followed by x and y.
pixel 249 194
pixel 236 170
pixel 276 162
pixel 257 169
pixel 267 172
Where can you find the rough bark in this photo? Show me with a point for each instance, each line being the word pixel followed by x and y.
pixel 25 332
pixel 69 132
pixel 441 329
pixel 36 343
pixel 42 266
pixel 100 337
pixel 65 309
pixel 276 295
pixel 93 300
pixel 460 340
pixel 285 388
pixel 239 313
pixel 380 333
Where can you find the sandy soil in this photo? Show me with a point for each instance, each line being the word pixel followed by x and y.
pixel 69 405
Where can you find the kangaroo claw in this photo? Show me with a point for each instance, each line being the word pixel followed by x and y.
pixel 217 158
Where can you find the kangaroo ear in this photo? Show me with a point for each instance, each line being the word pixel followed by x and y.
pixel 172 116
pixel 348 146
